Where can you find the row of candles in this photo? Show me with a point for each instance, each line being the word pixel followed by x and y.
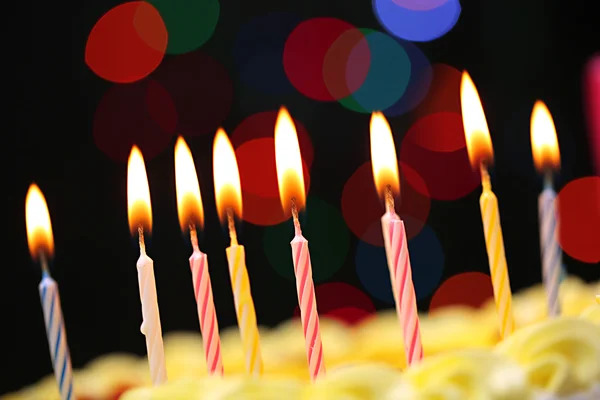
pixel 293 198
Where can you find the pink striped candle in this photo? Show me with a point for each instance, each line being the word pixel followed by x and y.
pixel 290 178
pixel 387 182
pixel 308 302
pixel 207 315
pixel 191 213
pixel 592 102
pixel 406 300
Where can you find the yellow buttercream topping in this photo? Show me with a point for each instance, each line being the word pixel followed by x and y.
pixel 560 356
pixel 354 382
pixel 464 375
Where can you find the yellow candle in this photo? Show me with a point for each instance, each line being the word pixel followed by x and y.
pixel 229 201
pixel 494 244
pixel 481 154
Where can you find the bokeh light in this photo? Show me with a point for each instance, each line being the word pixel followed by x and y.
pixel 304 55
pixel 387 77
pixel 258 52
pixel 139 113
pixel 407 20
pixel 579 208
pixel 592 93
pixel 262 125
pixel 127 43
pixel 341 76
pixel 190 22
pixel 201 89
pixel 258 175
pixel 444 92
pixel 435 147
pixel 362 209
pixel 342 301
pixel 327 235
pixel 427 261
pixel 471 289
pixel 439 132
pixel 421 75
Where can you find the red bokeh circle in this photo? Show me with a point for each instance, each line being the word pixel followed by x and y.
pixel 579 209
pixel 305 52
pixel 341 76
pixel 262 125
pixel 439 132
pixel 140 113
pixel 471 289
pixel 362 208
pixel 448 175
pixel 258 176
pixel 342 301
pixel 201 89
pixel 127 43
pixel 444 92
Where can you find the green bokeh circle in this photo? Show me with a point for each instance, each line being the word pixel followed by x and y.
pixel 388 76
pixel 328 239
pixel 190 23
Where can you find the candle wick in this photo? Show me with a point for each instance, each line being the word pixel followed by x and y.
pixel 44 264
pixel 548 179
pixel 297 229
pixel 485 178
pixel 389 199
pixel 194 237
pixel 231 226
pixel 141 239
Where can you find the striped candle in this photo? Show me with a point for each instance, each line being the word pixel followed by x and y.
pixel 308 303
pixel 244 308
pixel 406 301
pixel 550 250
pixel 57 337
pixel 497 260
pixel 206 309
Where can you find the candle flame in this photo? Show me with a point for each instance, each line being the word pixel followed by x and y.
pixel 37 220
pixel 288 161
pixel 544 143
pixel 228 190
pixel 477 134
pixel 189 200
pixel 383 156
pixel 138 193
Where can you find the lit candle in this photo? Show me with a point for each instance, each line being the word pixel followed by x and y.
pixel 41 247
pixel 387 182
pixel 481 154
pixel 140 222
pixel 546 157
pixel 291 191
pixel 191 215
pixel 228 194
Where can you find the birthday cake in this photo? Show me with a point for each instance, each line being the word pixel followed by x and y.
pixel 464 359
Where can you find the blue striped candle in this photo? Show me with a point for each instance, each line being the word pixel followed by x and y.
pixel 57 337
pixel 550 250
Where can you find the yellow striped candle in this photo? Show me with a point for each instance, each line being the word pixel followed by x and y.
pixel 494 244
pixel 229 202
pixel 481 154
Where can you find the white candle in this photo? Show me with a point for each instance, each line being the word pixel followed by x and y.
pixel 140 221
pixel 150 317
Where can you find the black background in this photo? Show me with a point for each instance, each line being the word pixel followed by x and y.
pixel 516 51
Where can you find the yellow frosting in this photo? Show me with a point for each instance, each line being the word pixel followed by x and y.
pixel 592 313
pixel 184 355
pixel 354 382
pixel 455 328
pixel 560 356
pixel 379 339
pixel 284 348
pixel 463 375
